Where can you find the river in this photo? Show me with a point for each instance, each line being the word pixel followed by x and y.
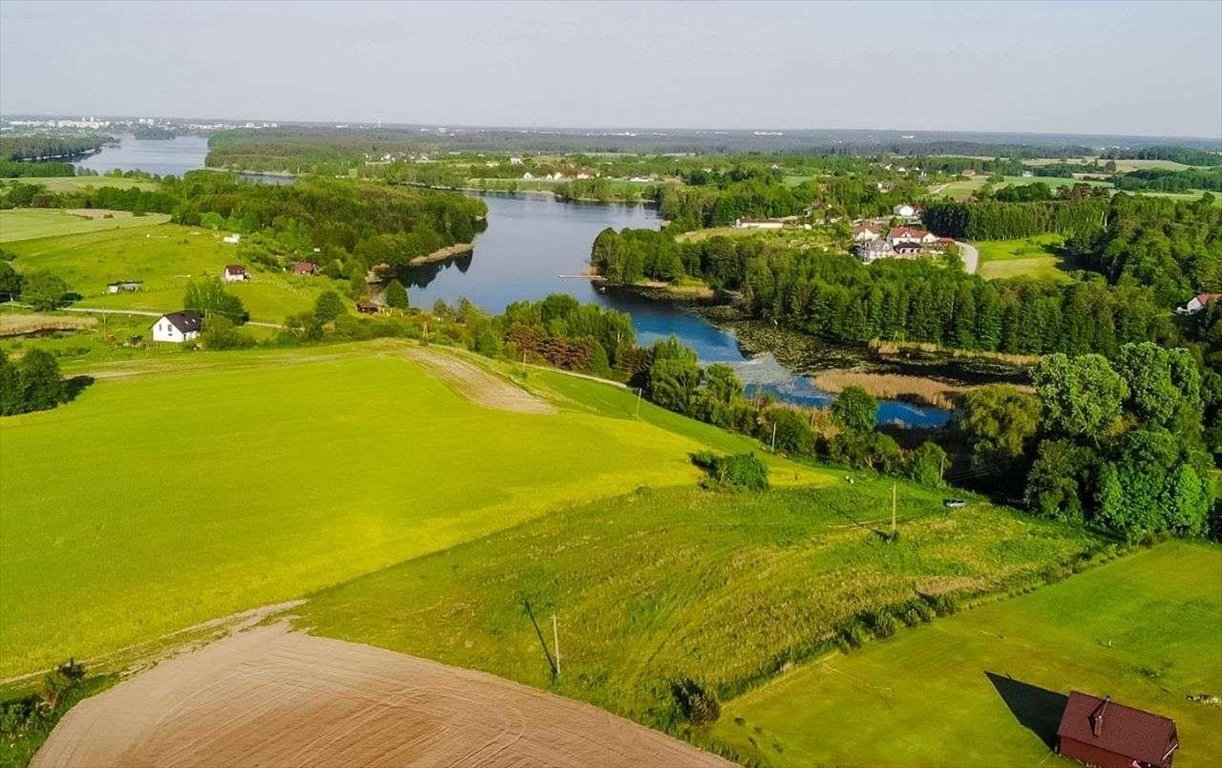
pixel 531 244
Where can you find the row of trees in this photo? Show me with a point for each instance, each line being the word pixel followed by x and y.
pixel 992 220
pixel 1116 444
pixel 44 147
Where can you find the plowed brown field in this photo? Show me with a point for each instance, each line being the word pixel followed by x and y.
pixel 272 697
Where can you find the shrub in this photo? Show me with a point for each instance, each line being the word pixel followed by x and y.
pixel 943 605
pixel 741 471
pixel 697 705
pixel 881 623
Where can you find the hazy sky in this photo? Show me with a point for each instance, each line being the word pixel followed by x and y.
pixel 1091 67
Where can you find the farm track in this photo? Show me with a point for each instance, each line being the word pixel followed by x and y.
pixel 476 384
pixel 269 696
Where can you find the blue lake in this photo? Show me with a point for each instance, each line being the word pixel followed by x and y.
pixel 533 246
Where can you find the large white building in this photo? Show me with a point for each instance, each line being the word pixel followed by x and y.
pixel 178 327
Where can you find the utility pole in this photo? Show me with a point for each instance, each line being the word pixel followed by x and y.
pixel 774 437
pixel 893 504
pixel 556 643
pixel 639 390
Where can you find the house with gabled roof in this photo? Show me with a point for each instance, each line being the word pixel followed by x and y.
pixel 178 327
pixel 1102 733
pixel 1198 303
pixel 235 273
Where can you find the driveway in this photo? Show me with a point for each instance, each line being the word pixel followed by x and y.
pixel 971 256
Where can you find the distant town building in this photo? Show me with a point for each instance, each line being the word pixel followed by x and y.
pixel 124 286
pixel 178 327
pixel 758 224
pixel 968 173
pixel 1102 733
pixel 235 273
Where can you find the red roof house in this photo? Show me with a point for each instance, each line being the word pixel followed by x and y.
pixel 305 268
pixel 1102 733
pixel 235 272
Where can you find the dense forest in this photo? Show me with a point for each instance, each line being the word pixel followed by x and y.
pixel 1166 180
pixel 1184 155
pixel 1000 220
pixel 42 147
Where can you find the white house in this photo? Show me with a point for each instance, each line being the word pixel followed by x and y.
pixel 873 250
pixel 235 273
pixel 124 286
pixel 904 210
pixel 178 327
pixel 758 224
pixel 866 231
pixel 910 235
pixel 233 239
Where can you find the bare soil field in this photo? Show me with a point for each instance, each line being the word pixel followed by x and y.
pixel 476 384
pixel 272 697
pixel 99 213
pixel 13 324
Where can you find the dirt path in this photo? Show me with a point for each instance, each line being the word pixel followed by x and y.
pixel 271 697
pixel 476 384
pixel 971 257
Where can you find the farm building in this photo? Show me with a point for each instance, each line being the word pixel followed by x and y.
pixel 124 286
pixel 178 327
pixel 758 224
pixel 305 268
pixel 235 273
pixel 366 307
pixel 233 239
pixel 1102 733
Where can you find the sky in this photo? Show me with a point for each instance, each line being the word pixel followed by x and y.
pixel 1151 69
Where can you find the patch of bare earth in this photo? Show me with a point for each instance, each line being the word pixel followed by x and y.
pixel 272 697
pixel 99 213
pixel 478 385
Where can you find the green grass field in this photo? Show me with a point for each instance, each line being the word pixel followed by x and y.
pixel 1143 628
pixel 188 487
pixel 1034 257
pixel 30 223
pixel 166 257
pixel 672 583
pixel 74 183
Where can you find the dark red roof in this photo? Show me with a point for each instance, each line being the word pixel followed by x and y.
pixel 1208 298
pixel 235 269
pixel 304 267
pixel 1118 729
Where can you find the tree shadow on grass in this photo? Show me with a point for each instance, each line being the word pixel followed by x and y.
pixel 75 386
pixel 551 662
pixel 1037 709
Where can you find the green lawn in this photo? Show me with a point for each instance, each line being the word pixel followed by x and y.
pixel 30 223
pixel 1034 257
pixel 1146 629
pixel 672 583
pixel 166 258
pixel 192 486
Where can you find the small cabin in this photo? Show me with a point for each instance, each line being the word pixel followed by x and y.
pixel 233 239
pixel 367 308
pixel 235 273
pixel 305 268
pixel 178 327
pixel 124 286
pixel 1102 733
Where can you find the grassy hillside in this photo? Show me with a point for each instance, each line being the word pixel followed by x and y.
pixel 31 223
pixel 186 487
pixel 166 258
pixel 1143 629
pixel 673 583
pixel 1034 257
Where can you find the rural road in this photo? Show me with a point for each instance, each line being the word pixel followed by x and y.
pixel 137 312
pixel 971 256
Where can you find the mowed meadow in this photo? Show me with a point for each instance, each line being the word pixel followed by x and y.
pixel 178 490
pixel 32 223
pixel 986 688
pixel 664 585
pixel 165 257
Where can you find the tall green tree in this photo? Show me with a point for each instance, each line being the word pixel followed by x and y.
pixel 1082 396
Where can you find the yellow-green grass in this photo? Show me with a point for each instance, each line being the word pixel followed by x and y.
pixel 665 584
pixel 76 183
pixel 1146 629
pixel 165 258
pixel 30 223
pixel 1190 196
pixel 1034 257
pixel 189 487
